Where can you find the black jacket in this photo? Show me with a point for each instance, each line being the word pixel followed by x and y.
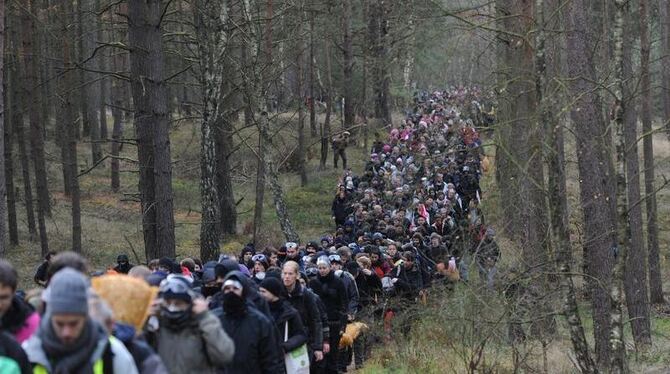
pixel 15 318
pixel 340 209
pixel 10 349
pixel 333 295
pixel 306 303
pixel 256 348
pixel 369 288
pixel 409 282
pixel 41 273
pixel 285 316
pixel 251 295
pixel 353 299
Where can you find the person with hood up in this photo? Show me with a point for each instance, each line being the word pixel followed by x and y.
pixel 255 336
pixel 333 294
pixel 286 318
pixel 190 338
pixel 250 290
pixel 123 265
pixel 17 317
pixel 68 341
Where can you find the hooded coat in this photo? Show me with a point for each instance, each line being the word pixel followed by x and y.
pixel 255 338
pixel 202 346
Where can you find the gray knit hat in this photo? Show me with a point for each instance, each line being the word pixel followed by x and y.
pixel 68 293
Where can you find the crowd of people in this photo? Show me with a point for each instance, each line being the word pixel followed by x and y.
pixel 410 221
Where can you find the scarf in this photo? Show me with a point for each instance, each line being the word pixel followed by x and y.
pixel 74 358
pixel 15 318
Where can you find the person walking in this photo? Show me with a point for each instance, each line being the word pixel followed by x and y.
pixel 68 341
pixel 190 338
pixel 256 340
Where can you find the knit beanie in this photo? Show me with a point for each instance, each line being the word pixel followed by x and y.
pixel 68 293
pixel 273 285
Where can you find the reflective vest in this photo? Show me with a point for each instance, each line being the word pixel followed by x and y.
pixel 97 368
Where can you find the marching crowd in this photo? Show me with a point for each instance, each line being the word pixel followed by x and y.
pixel 410 221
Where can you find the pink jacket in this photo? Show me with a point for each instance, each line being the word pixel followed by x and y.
pixel 30 326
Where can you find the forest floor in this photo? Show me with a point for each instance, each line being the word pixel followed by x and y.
pixel 457 328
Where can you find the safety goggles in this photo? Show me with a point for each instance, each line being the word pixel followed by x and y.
pixel 175 285
pixel 311 272
pixel 335 258
pixel 259 257
pixel 231 284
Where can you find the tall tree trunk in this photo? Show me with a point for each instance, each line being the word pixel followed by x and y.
pixel 348 64
pixel 521 103
pixel 117 130
pixel 36 129
pixel 378 30
pixel 300 73
pixel 312 99
pixel 82 93
pixel 104 81
pixel 558 204
pixel 207 19
pixel 664 63
pixel 66 88
pixel 325 129
pixel 18 122
pixel 635 268
pixel 260 177
pixel 655 280
pixel 151 126
pixel 11 107
pixel 3 187
pixel 91 85
pixel 590 130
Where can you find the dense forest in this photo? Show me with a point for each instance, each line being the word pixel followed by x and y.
pixel 190 128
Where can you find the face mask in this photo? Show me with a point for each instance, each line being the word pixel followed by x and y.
pixel 260 276
pixel 210 291
pixel 174 317
pixel 233 304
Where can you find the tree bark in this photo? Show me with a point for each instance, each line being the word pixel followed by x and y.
pixel 3 187
pixel 300 72
pixel 67 83
pixel 18 123
pixel 348 64
pixel 36 130
pixel 209 17
pixel 104 82
pixel 260 177
pixel 558 204
pixel 11 107
pixel 655 281
pixel 91 86
pixel 664 63
pixel 635 269
pixel 325 129
pixel 594 165
pixel 151 126
pixel 117 129
pixel 378 30
pixel 312 99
